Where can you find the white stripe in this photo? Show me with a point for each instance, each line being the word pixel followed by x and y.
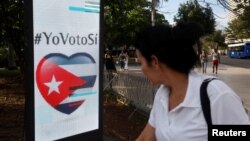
pixel 235 45
pixel 70 100
pixel 74 99
pixel 83 90
pixel 80 69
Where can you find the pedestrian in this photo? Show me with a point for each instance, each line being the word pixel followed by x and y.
pixel 215 60
pixel 168 58
pixel 122 59
pixel 110 66
pixel 204 59
pixel 126 61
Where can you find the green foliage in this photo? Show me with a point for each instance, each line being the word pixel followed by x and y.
pixel 237 29
pixel 12 19
pixel 4 73
pixel 245 21
pixel 3 53
pixel 240 27
pixel 215 40
pixel 219 38
pixel 122 19
pixel 12 27
pixel 3 57
pixel 192 11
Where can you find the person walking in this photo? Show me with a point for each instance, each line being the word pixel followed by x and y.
pixel 126 61
pixel 204 59
pixel 176 114
pixel 110 66
pixel 215 60
pixel 122 59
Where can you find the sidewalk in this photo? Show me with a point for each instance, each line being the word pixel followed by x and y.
pixel 237 78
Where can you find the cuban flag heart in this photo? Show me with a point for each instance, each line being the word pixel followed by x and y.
pixel 64 82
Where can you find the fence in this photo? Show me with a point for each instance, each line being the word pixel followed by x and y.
pixel 136 89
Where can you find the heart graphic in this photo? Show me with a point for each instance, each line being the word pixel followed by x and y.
pixel 65 81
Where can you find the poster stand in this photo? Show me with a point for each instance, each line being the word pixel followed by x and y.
pixel 64 70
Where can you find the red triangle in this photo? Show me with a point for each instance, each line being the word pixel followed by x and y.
pixel 45 71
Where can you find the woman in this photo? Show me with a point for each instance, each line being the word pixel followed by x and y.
pixel 110 66
pixel 204 58
pixel 126 61
pixel 167 58
pixel 215 60
pixel 122 58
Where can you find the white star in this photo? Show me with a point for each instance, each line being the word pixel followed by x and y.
pixel 53 85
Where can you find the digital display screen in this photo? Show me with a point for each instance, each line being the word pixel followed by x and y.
pixel 66 67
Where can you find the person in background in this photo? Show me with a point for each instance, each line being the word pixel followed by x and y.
pixel 168 58
pixel 110 66
pixel 204 59
pixel 215 60
pixel 122 59
pixel 126 61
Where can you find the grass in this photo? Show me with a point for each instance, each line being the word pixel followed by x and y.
pixel 4 73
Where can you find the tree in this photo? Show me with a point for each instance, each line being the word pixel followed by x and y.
pixel 241 5
pixel 192 11
pixel 246 20
pixel 240 27
pixel 215 40
pixel 236 28
pixel 12 29
pixel 153 11
pixel 122 19
pixel 219 38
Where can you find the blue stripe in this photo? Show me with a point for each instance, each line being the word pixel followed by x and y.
pixel 66 108
pixel 82 94
pixel 83 9
pixel 78 58
pixel 92 6
pixel 92 2
pixel 90 81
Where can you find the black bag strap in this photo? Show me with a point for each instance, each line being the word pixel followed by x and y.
pixel 205 102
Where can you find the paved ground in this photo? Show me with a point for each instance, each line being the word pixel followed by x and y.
pixel 237 78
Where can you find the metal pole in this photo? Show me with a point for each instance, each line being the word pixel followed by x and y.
pixel 153 12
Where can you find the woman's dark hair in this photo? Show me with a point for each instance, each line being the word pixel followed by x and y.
pixel 174 46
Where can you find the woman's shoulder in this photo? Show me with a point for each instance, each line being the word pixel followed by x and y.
pixel 218 89
pixel 226 105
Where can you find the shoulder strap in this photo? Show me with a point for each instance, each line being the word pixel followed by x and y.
pixel 205 102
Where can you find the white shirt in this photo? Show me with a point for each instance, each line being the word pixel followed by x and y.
pixel 186 121
pixel 215 56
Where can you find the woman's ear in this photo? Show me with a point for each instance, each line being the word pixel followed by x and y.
pixel 155 61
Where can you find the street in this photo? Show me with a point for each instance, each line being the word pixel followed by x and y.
pixel 243 63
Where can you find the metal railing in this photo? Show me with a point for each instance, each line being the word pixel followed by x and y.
pixel 136 89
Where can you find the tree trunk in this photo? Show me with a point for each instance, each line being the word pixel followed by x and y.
pixel 11 57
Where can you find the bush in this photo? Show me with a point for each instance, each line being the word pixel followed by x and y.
pixel 4 73
pixel 3 58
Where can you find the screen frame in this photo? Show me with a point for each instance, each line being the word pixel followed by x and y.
pixel 95 135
